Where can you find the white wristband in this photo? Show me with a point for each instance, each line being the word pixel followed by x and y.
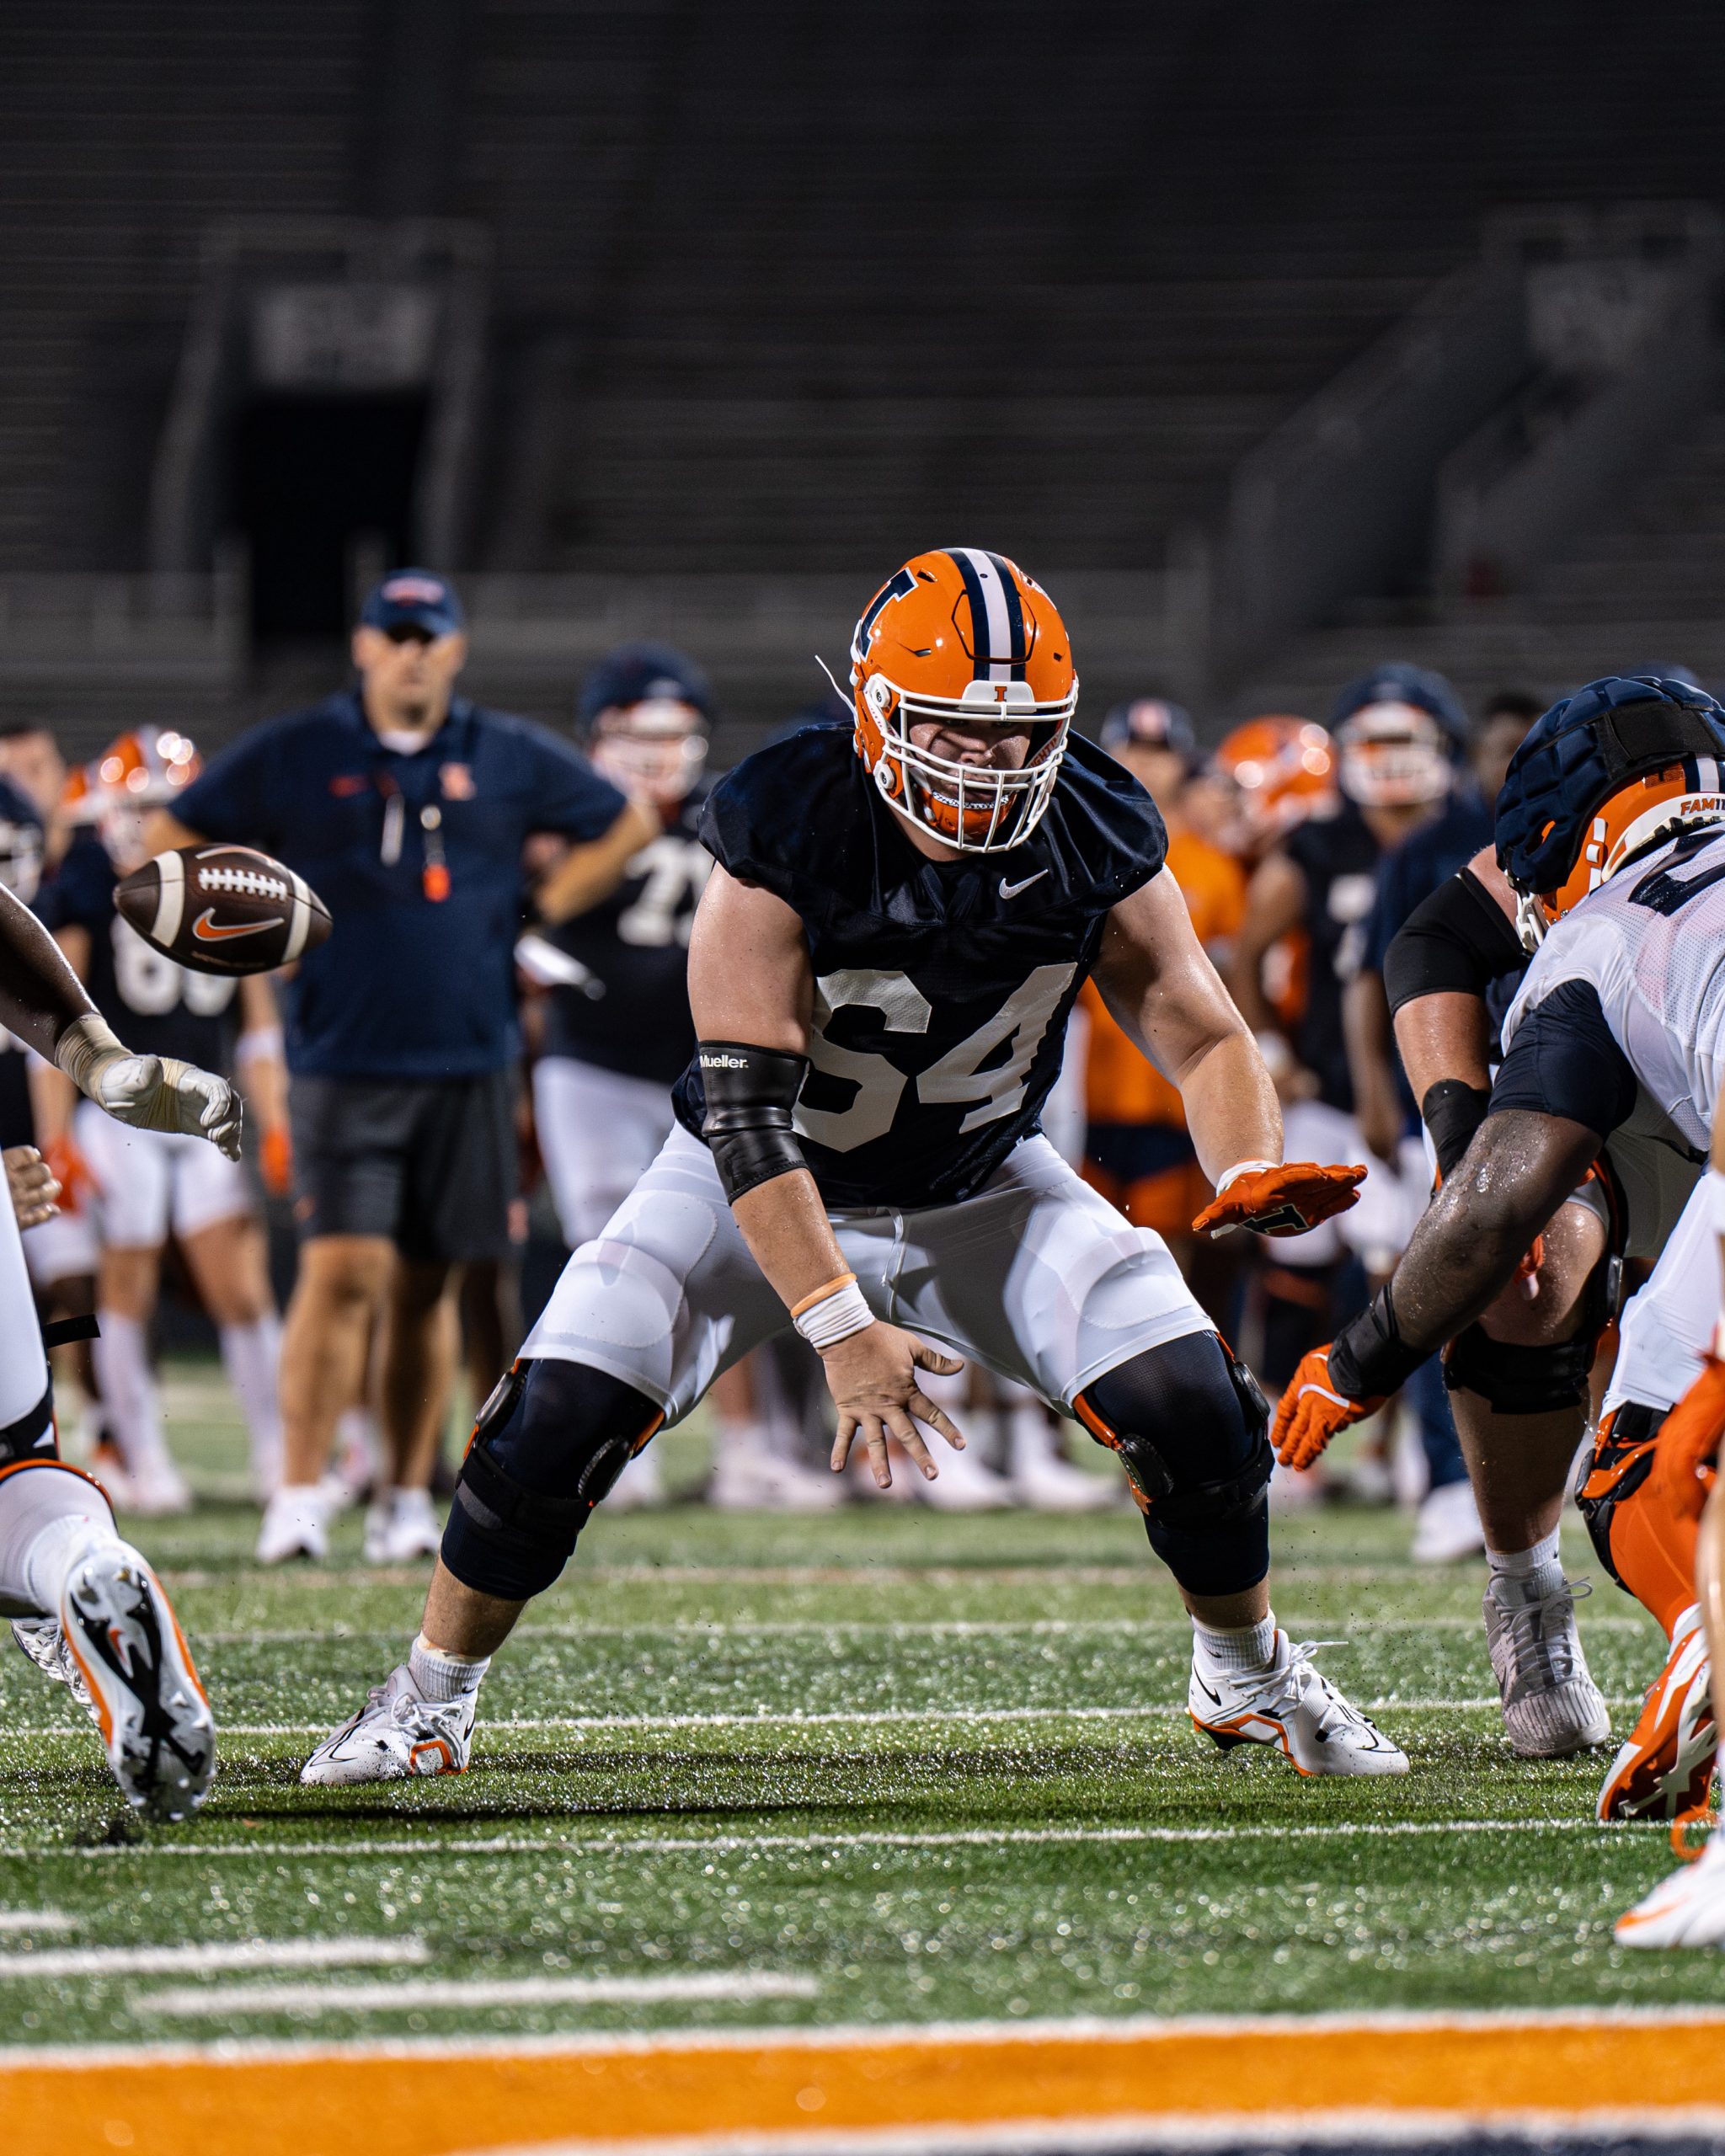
pixel 262 1044
pixel 85 1050
pixel 835 1317
pixel 1244 1168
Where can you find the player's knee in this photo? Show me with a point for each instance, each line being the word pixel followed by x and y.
pixel 1520 1378
pixel 549 1443
pixel 1191 1427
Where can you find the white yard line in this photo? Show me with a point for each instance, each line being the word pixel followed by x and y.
pixel 216 1958
pixel 463 1994
pixel 697 1627
pixel 35 1920
pixel 360 1846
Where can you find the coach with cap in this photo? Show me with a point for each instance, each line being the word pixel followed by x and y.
pixel 406 807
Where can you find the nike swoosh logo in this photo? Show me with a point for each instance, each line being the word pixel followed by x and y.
pixel 1206 1691
pixel 1011 890
pixel 207 930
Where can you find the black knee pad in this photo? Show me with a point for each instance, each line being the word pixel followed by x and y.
pixel 1192 1429
pixel 1621 1460
pixel 549 1443
pixel 32 1436
pixel 1520 1380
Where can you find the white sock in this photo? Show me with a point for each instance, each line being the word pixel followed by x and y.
pixel 1239 1650
pixel 444 1676
pixel 1533 1573
pixel 48 1518
pixel 129 1393
pixel 250 1353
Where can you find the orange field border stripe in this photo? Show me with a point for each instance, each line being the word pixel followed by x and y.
pixel 286 2101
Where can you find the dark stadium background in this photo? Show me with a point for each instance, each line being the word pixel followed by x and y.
pixel 669 316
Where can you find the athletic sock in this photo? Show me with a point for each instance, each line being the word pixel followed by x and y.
pixel 1242 1651
pixel 250 1354
pixel 48 1517
pixel 441 1677
pixel 1530 1575
pixel 122 1353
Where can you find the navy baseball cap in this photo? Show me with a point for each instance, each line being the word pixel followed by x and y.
pixel 1152 721
pixel 414 599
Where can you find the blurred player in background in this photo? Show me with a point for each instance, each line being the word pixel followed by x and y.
pixel 146 1184
pixel 614 1029
pixel 407 807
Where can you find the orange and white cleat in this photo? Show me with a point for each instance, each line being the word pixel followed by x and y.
pixel 1664 1770
pixel 396 1736
pixel 1687 1909
pixel 120 1632
pixel 1291 1705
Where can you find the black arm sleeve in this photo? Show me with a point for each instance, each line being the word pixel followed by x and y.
pixel 1457 941
pixel 39 994
pixel 1565 1061
pixel 751 1095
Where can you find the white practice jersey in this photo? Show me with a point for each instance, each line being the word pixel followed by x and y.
pixel 1652 945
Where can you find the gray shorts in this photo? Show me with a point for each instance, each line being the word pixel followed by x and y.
pixel 431 1163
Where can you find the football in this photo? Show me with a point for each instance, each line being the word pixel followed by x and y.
pixel 223 910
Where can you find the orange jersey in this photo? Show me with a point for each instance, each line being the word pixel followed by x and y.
pixel 1120 1086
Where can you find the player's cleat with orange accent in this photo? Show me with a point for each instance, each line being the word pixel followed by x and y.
pixel 1293 1707
pixel 1687 1909
pixel 396 1736
pixel 43 1640
pixel 122 1633
pixel 1664 1770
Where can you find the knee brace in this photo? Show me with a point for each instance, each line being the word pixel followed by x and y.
pixel 1201 1479
pixel 33 1435
pixel 1515 1380
pixel 549 1443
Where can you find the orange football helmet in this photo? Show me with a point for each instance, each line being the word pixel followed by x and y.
pixel 143 769
pixel 961 637
pixel 1283 770
pixel 1652 806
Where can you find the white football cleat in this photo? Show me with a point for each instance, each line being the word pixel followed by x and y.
pixel 1446 1529
pixel 1687 1909
pixel 1666 1768
pixel 159 1491
pixel 122 1633
pixel 1551 1705
pixel 962 1484
pixel 296 1523
pixel 1292 1705
pixel 1041 1477
pixel 394 1736
pixel 44 1642
pixel 400 1527
pixel 747 1478
pixel 640 1488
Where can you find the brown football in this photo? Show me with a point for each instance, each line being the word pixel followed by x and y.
pixel 223 910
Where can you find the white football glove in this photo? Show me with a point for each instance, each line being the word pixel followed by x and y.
pixel 149 1092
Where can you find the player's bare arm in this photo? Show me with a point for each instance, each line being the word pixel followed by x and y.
pixel 750 983
pixel 1275 903
pixel 588 873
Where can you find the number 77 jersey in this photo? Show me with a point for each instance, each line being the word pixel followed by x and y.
pixel 942 989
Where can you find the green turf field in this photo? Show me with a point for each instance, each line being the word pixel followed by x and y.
pixel 884 1765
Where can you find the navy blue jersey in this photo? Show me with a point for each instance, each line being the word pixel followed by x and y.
pixel 417 857
pixel 1410 873
pixel 941 987
pixel 156 1007
pixel 1338 857
pixel 631 1013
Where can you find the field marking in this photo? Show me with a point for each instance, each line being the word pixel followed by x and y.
pixel 35 1920
pixel 750 2088
pixel 944 1578
pixel 428 1844
pixel 459 1994
pixel 216 1957
pixel 890 1627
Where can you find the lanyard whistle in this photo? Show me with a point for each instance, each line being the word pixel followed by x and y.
pixel 433 877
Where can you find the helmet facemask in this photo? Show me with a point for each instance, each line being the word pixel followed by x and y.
pixel 1638 817
pixel 1392 756
pixel 974 807
pixel 658 748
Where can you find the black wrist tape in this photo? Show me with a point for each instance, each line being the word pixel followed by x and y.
pixel 752 1097
pixel 1452 1111
pixel 1369 1359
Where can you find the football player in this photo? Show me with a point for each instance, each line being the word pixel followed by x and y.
pixel 1607 833
pixel 616 1032
pixel 146 1183
pixel 900 915
pixel 88 1609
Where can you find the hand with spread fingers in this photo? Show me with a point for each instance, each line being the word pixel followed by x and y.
pixel 1686 1456
pixel 1313 1410
pixel 1279 1200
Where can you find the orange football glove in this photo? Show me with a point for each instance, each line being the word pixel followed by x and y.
pixel 275 1159
pixel 1312 1410
pixel 1684 1458
pixel 70 1170
pixel 1284 1201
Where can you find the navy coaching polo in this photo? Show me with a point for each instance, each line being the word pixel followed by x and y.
pixel 417 858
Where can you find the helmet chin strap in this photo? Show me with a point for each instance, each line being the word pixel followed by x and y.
pixel 1530 922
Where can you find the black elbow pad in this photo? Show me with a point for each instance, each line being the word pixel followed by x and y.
pixel 752 1097
pixel 1456 941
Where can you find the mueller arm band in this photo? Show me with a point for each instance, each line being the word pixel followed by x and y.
pixel 751 1095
